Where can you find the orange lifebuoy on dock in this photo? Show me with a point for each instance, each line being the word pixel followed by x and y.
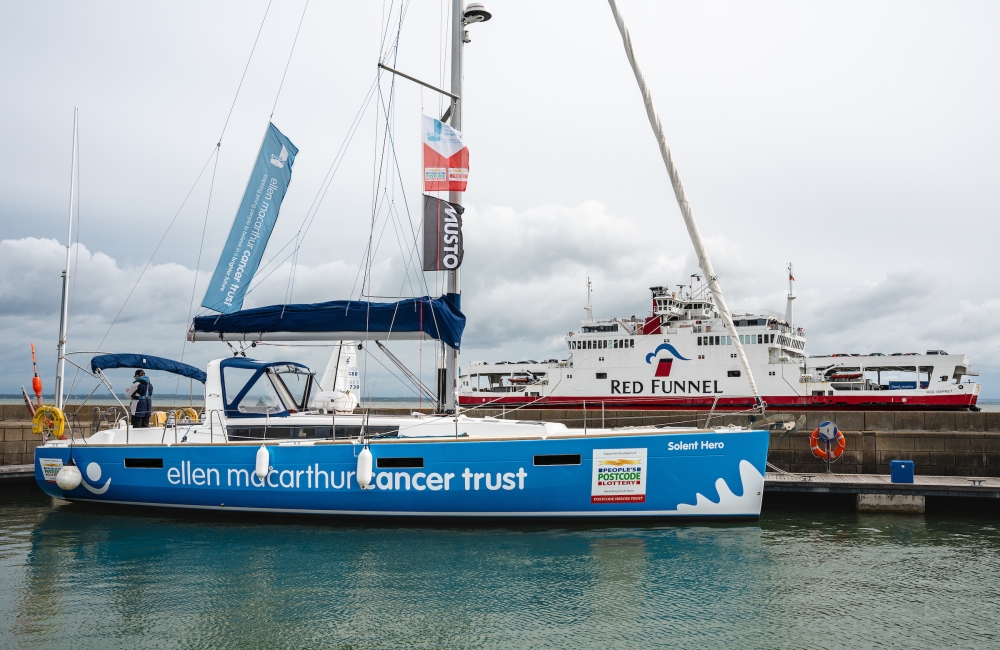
pixel 836 451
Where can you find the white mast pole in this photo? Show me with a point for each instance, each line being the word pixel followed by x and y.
pixel 791 296
pixel 454 278
pixel 64 307
pixel 692 227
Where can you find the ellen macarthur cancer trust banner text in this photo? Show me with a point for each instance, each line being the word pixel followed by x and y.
pixel 253 224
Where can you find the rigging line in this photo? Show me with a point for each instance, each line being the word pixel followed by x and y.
pixel 245 68
pixel 287 63
pixel 399 239
pixel 406 204
pixel 389 370
pixel 387 21
pixel 215 149
pixel 276 268
pixel 376 183
pixel 324 187
pixel 197 266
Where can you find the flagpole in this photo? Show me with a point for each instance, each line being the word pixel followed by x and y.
pixel 682 200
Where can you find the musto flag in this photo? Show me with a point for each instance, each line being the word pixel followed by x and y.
pixel 443 245
pixel 253 224
pixel 446 158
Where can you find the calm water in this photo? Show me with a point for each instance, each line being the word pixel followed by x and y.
pixel 77 578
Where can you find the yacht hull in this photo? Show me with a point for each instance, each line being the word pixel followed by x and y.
pixel 707 474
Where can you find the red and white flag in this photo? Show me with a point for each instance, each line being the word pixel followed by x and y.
pixel 446 158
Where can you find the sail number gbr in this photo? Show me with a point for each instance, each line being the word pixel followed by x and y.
pixel 666 387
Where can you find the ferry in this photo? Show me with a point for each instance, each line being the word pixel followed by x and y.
pixel 680 356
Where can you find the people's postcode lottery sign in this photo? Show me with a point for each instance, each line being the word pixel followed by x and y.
pixel 619 476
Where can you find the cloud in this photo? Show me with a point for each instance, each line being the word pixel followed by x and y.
pixel 526 272
pixel 524 287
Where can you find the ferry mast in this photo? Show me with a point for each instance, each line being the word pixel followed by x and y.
pixel 692 226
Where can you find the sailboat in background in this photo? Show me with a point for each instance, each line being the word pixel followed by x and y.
pixel 274 439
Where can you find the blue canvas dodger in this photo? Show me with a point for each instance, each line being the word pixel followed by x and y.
pixel 253 223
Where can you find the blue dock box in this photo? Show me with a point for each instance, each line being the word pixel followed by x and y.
pixel 901 471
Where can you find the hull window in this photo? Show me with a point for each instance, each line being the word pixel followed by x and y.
pixel 558 459
pixel 398 463
pixel 148 463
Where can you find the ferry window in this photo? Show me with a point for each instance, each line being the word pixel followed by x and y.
pixel 717 339
pixel 632 343
pixel 733 373
pixel 616 345
pixel 729 340
pixel 699 340
pixel 602 375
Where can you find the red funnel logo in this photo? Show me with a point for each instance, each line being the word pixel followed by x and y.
pixel 663 367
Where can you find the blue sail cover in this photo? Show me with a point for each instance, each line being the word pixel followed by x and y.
pixel 253 223
pixel 146 362
pixel 434 318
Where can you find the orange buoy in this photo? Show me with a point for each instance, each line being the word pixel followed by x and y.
pixel 36 381
pixel 820 451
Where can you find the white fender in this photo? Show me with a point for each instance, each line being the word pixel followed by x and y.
pixel 69 478
pixel 263 463
pixel 364 473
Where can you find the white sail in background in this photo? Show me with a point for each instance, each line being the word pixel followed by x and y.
pixel 341 382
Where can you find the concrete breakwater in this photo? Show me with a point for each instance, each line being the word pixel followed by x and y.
pixel 939 443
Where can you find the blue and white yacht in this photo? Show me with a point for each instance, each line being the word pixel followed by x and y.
pixel 262 445
pixel 272 438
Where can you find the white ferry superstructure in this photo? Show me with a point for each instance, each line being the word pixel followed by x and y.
pixel 680 357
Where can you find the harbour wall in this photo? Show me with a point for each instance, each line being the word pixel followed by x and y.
pixel 939 443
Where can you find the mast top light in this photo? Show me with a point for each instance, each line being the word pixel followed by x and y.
pixel 476 12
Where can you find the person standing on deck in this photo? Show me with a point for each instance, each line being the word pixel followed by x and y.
pixel 141 394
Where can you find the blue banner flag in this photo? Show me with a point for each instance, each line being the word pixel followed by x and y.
pixel 253 224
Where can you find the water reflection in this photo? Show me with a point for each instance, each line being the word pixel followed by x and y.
pixel 77 577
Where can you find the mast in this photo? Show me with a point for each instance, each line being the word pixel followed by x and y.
pixel 590 307
pixel 64 307
pixel 453 277
pixel 692 227
pixel 474 13
pixel 791 296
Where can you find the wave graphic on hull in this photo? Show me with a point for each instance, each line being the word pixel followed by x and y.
pixel 729 503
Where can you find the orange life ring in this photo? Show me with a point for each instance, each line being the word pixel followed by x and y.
pixel 820 451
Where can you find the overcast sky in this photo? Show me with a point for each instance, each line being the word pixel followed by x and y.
pixel 857 140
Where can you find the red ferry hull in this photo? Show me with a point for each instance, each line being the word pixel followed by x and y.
pixel 776 402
